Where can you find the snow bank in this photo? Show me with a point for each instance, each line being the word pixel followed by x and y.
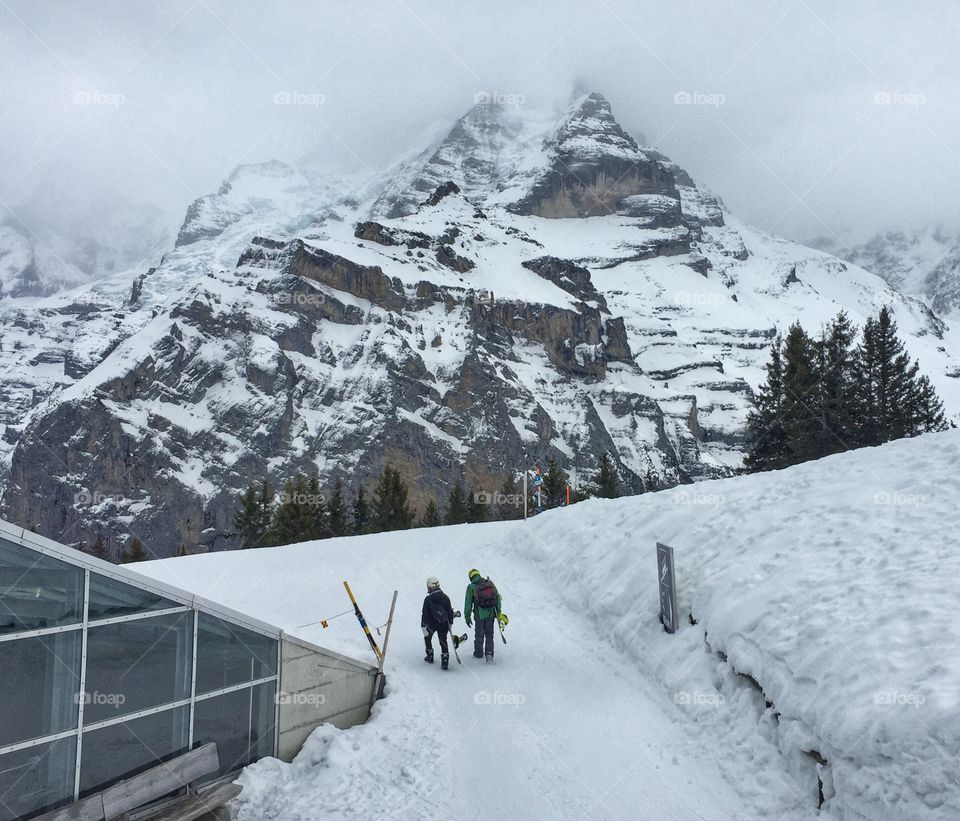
pixel 825 600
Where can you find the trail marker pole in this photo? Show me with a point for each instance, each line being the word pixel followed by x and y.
pixel 383 655
pixel 363 624
pixel 667 582
pixel 524 493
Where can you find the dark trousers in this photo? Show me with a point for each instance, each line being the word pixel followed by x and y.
pixel 442 631
pixel 484 633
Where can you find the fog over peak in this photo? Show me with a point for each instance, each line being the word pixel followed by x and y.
pixel 807 118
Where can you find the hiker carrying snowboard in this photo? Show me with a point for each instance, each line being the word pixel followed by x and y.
pixel 482 602
pixel 437 618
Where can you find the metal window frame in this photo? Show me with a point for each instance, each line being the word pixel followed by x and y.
pixel 186 602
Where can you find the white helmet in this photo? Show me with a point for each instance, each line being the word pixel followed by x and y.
pixel 433 583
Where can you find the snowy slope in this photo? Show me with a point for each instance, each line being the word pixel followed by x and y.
pixel 832 585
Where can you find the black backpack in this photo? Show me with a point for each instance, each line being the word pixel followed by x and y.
pixel 486 595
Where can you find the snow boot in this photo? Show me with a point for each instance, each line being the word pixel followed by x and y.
pixel 429 657
pixel 444 661
pixel 477 654
pixel 489 657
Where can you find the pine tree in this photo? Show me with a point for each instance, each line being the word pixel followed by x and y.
pixel 800 380
pixel 337 511
pixel 767 446
pixel 361 513
pixel 431 515
pixel 390 509
pixel 478 507
pixel 834 394
pixel 266 512
pixel 100 550
pixel 296 516
pixel 319 525
pixel 554 484
pixel 509 502
pixel 458 510
pixel 134 552
pixel 247 520
pixel 606 478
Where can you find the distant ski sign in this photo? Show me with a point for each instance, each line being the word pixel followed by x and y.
pixel 667 582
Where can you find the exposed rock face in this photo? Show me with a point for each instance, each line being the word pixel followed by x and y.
pixel 475 332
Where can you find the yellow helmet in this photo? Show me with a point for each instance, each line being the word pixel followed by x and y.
pixel 473 573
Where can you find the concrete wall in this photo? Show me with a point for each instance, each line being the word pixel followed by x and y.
pixel 316 687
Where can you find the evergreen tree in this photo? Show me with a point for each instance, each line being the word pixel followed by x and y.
pixel 800 380
pixel 477 509
pixel 100 550
pixel 266 511
pixel 134 552
pixel 431 515
pixel 337 511
pixel 295 517
pixel 247 521
pixel 509 502
pixel 390 509
pixel 834 400
pixel 458 510
pixel 319 527
pixel 361 513
pixel 554 484
pixel 767 447
pixel 606 479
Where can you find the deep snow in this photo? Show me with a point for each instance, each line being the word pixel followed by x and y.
pixel 833 585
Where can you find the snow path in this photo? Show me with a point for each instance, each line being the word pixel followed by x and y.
pixel 561 722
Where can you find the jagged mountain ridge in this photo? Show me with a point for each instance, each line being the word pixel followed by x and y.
pixel 476 334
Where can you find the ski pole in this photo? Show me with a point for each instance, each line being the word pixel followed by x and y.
pixel 363 623
pixel 501 630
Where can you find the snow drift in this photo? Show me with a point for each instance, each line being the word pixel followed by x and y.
pixel 818 652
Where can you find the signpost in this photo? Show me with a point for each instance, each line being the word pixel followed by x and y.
pixel 667 582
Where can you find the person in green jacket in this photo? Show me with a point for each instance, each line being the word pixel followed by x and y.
pixel 482 602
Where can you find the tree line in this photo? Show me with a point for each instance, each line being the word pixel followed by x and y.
pixel 836 392
pixel 301 512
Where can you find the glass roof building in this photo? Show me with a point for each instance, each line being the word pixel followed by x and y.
pixel 104 673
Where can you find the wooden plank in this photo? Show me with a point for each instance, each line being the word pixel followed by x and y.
pixel 160 780
pixel 89 809
pixel 196 805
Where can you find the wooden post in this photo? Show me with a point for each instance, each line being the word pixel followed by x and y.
pixel 524 493
pixel 383 655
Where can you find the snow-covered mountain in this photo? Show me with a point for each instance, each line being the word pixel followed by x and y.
pixel 922 263
pixel 29 269
pixel 528 287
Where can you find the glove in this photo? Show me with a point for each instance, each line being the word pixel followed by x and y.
pixel 456 614
pixel 502 618
pixel 468 620
pixel 426 632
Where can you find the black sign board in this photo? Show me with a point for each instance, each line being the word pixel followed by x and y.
pixel 667 582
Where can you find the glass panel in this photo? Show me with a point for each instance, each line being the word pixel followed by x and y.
pixel 228 654
pixel 109 598
pixel 242 723
pixel 39 683
pixel 137 664
pixel 121 750
pixel 36 590
pixel 37 779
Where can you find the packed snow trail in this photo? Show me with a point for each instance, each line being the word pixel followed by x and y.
pixel 560 725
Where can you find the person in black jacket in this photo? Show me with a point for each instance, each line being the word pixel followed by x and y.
pixel 437 618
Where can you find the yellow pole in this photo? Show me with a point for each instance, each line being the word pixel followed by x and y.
pixel 363 623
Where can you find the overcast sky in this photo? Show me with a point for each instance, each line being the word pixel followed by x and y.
pixel 806 117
